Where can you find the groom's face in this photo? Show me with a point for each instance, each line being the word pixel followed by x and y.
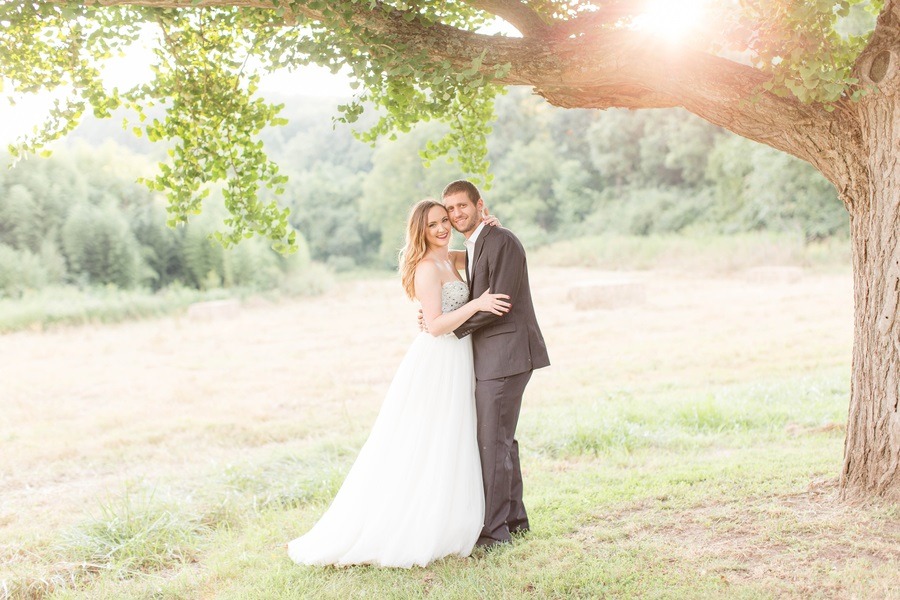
pixel 465 215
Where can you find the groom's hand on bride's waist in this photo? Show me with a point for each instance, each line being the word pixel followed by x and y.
pixel 422 325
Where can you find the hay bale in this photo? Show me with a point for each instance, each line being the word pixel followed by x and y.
pixel 607 294
pixel 213 309
pixel 774 274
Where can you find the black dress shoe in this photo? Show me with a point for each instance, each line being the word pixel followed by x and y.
pixel 486 542
pixel 520 528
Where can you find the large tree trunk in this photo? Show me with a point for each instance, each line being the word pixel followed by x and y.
pixel 872 447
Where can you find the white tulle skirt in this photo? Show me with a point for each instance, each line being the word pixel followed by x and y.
pixel 414 494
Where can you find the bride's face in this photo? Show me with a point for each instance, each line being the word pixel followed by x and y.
pixel 437 227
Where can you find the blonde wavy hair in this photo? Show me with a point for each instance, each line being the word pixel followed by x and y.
pixel 415 248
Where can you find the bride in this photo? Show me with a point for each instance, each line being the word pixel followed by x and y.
pixel 414 494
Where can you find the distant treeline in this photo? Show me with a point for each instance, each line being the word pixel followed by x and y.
pixel 558 174
pixel 80 218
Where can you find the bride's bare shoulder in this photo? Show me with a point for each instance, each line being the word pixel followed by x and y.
pixel 427 269
pixel 427 280
pixel 426 263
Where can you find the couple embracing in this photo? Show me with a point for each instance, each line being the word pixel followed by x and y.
pixel 440 471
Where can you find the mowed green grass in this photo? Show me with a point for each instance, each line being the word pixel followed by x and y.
pixel 686 446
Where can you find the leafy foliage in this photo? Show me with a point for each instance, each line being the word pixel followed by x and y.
pixel 800 45
pixel 206 77
pixel 202 104
pixel 210 109
pixel 408 85
pixel 54 46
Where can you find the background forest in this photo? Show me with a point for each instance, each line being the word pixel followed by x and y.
pixel 80 219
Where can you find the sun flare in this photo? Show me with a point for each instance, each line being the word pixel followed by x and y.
pixel 673 20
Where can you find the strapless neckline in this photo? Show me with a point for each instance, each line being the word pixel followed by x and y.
pixel 453 295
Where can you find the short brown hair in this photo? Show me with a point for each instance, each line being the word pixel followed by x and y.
pixel 462 186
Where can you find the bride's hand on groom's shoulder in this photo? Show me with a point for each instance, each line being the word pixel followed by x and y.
pixel 490 219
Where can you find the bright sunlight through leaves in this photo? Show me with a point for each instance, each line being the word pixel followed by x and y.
pixel 672 20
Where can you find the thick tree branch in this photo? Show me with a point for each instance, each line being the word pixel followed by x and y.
pixel 516 13
pixel 618 68
pixel 878 70
pixel 888 24
pixel 178 3
pixel 591 21
pixel 872 65
pixel 621 68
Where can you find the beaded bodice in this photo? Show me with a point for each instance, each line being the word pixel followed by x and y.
pixel 453 295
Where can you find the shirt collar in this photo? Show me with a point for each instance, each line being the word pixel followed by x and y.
pixel 474 237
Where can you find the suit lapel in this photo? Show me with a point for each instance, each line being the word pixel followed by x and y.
pixel 479 246
pixel 468 278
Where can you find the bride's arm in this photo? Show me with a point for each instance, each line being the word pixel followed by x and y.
pixel 458 258
pixel 428 292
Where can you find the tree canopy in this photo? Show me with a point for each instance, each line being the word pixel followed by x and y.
pixel 789 67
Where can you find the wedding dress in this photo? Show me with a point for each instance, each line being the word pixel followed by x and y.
pixel 414 494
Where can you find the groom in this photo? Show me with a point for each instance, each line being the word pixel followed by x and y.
pixel 507 349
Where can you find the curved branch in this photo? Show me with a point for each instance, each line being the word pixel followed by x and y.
pixel 516 13
pixel 884 39
pixel 888 24
pixel 618 68
pixel 626 69
pixel 586 22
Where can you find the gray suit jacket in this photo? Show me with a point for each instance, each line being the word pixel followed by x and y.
pixel 509 344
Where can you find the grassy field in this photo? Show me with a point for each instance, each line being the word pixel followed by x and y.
pixel 687 446
pixel 56 306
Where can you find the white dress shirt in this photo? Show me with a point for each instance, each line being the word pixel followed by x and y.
pixel 470 249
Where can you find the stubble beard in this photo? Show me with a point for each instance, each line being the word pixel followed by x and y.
pixel 472 224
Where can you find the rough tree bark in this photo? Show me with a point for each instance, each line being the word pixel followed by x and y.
pixel 578 64
pixel 872 446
